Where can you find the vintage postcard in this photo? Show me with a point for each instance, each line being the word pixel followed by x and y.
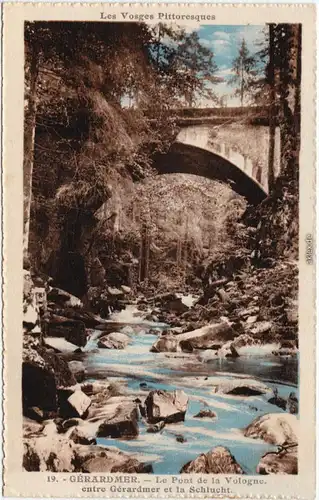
pixel 159 216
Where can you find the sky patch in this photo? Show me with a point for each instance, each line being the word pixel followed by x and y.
pixel 224 41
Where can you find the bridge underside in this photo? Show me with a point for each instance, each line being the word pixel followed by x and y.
pixel 186 159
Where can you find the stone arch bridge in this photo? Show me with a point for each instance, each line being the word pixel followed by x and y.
pixel 232 149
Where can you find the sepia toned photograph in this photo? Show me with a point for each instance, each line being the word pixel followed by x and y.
pixel 161 249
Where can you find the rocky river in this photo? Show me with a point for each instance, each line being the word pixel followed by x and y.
pixel 158 400
pixel 141 371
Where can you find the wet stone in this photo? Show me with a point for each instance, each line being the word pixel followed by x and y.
pixel 219 460
pixel 167 406
pixel 206 413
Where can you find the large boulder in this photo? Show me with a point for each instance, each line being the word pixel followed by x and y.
pixel 278 401
pixel 206 413
pixel 119 419
pixel 176 306
pixel 52 453
pixel 80 435
pixel 100 389
pixel 115 340
pixel 63 298
pixel 43 372
pixel 170 302
pixel 284 461
pixel 74 403
pixel 243 387
pixel 167 406
pixel 111 461
pixel 206 337
pixel 243 340
pixel 60 345
pixel 219 460
pixel 55 452
pixel 167 343
pixel 73 331
pixel 70 313
pixel 115 292
pixel 274 428
pixel 77 336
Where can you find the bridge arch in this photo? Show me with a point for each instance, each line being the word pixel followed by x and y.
pixel 198 150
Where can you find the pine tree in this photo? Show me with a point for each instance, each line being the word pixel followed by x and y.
pixel 244 72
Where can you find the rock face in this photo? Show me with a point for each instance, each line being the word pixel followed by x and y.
pixel 243 387
pixel 43 372
pixel 115 340
pixel 119 420
pixel 167 343
pixel 280 462
pixel 219 460
pixel 275 428
pixel 167 406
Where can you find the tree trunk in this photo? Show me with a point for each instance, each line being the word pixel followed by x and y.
pixel 140 261
pixel 147 254
pixel 272 109
pixel 144 255
pixel 178 252
pixel 289 89
pixel 242 86
pixel 29 136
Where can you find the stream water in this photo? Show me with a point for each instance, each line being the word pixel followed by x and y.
pixel 142 371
